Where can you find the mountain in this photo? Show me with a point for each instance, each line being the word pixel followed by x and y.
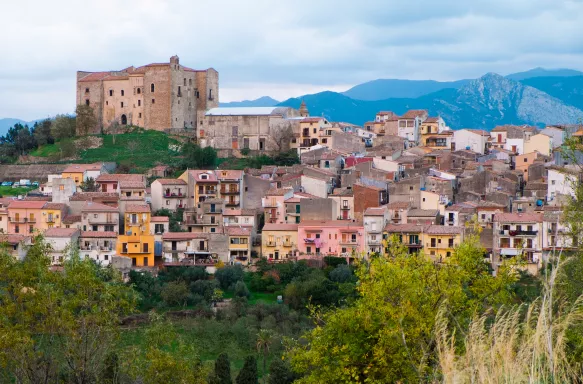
pixel 394 88
pixel 542 72
pixel 567 89
pixel 482 103
pixel 7 123
pixel 264 101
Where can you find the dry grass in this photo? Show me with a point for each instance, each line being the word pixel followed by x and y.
pixel 523 344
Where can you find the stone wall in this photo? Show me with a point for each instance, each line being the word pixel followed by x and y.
pixel 317 209
pixel 157 104
pixel 255 189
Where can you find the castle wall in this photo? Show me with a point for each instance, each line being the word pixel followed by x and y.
pixel 157 104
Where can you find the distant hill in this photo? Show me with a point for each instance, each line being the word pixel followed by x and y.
pixel 482 103
pixel 542 72
pixel 394 88
pixel 567 89
pixel 7 123
pixel 264 101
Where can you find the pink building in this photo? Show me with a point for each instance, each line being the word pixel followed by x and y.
pixel 330 238
pixel 274 204
pixel 110 182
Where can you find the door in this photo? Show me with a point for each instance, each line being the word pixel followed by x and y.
pixel 201 245
pixel 499 137
pixel 103 188
pixel 345 215
pixel 174 245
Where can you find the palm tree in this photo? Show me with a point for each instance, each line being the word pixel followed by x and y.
pixel 264 340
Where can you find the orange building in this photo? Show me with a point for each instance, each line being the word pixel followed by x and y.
pixel 24 217
pixel 137 242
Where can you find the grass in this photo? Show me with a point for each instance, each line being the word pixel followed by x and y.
pixel 140 150
pixel 9 191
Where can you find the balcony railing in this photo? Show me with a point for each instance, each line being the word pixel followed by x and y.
pixel 187 250
pixel 20 220
pixel 101 220
pixel 270 243
pixel 208 192
pixel 232 203
pixel 174 195
pixel 345 208
pixel 441 246
pixel 350 242
pixel 230 191
pixel 374 242
pixel 215 210
pixel 518 233
pixel 269 204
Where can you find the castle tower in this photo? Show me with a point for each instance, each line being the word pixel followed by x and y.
pixel 304 110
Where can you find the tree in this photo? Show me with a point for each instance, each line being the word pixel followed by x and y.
pixel 241 289
pixel 63 127
pixel 113 130
pixel 175 293
pixel 195 157
pixel 263 343
pixel 42 132
pixel 89 185
pixel 282 136
pixel 229 275
pixel 24 141
pixel 388 333
pixel 57 324
pixel 132 146
pixel 248 374
pixel 67 148
pixel 281 373
pixel 86 120
pixel 223 369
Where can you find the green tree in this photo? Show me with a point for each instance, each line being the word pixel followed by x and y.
pixel 175 293
pixel 241 289
pixel 248 374
pixel 195 157
pixel 42 132
pixel 24 141
pixel 223 370
pixel 57 324
pixel 228 276
pixel 86 120
pixel 67 148
pixel 388 334
pixel 264 339
pixel 89 185
pixel 280 372
pixel 63 127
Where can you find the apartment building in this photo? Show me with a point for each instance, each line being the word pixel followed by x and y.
pixel 279 241
pixel 137 242
pixel 168 194
pixel 340 238
pixel 98 246
pixel 375 220
pixel 518 235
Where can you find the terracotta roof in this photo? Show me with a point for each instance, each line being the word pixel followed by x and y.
pixel 77 168
pixel 229 174
pixel 443 230
pixel 88 196
pixel 170 181
pixel 138 208
pixel 351 161
pixel 375 211
pixel 239 212
pixel 168 236
pixel 278 191
pixel 160 168
pixel 422 213
pixel 124 184
pixel 55 206
pixel 210 176
pixel 159 219
pixel 480 132
pixel 490 204
pixel 91 206
pixel 385 113
pixel 95 76
pixel 368 186
pixel 113 177
pixel 280 227
pixel 237 231
pixel 518 217
pixel 312 120
pixel 398 205
pixel 343 192
pixel 432 120
pixel 4 201
pixel 71 219
pixel 99 234
pixel 13 239
pixel 331 223
pixel 22 204
pixel 405 228
pixel 413 113
pixel 61 232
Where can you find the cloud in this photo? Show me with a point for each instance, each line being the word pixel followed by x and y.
pixel 278 48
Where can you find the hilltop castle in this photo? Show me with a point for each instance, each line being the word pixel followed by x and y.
pixel 155 96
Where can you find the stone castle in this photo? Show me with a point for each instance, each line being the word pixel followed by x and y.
pixel 156 96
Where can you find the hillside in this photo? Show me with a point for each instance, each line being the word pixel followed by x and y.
pixel 482 103
pixel 542 72
pixel 264 101
pixel 569 90
pixel 395 88
pixel 7 123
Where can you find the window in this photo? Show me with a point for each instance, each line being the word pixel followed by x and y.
pixel 146 247
pixel 111 92
pixel 87 102
pixel 423 199
pixel 139 103
pixel 107 103
pixel 552 182
pixel 122 93
pixel 139 91
pixel 525 160
pixel 17 229
pixel 121 104
pixel 140 115
pixel 152 88
pixel 411 188
pixel 309 249
pixel 61 187
pixel 185 81
pixel 86 90
pixel 153 101
pixel 189 81
pixel 30 229
pixel 450 243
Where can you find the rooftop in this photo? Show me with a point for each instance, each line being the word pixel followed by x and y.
pixel 280 227
pixel 99 234
pixel 243 111
pixel 138 208
pixel 184 236
pixel 405 228
pixel 20 204
pixel 375 211
pixel 91 206
pixel 518 218
pixel 170 181
pixel 422 213
pixel 61 232
pixel 160 219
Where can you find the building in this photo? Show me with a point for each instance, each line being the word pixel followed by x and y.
pixel 375 220
pixel 279 241
pixel 518 235
pixel 344 203
pixel 52 215
pixel 239 244
pixel 156 96
pixel 187 248
pixel 168 194
pixel 562 182
pixel 137 242
pixel 368 196
pixel 440 241
pixel 99 217
pixel 62 241
pixel 25 217
pixel 232 188
pixel 99 246
pixel 159 225
pixel 475 140
pixel 410 235
pixel 557 238
pixel 457 215
pixel 540 143
pixel 409 125
pixel 110 182
pixel 16 245
pixel 317 238
pixel 274 204
pixel 81 172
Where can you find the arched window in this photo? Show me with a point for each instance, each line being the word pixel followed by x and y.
pixel 122 93
pixel 87 102
pixel 139 91
pixel 152 88
pixel 124 120
pixel 189 81
pixel 111 92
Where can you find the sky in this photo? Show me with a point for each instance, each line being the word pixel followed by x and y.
pixel 279 48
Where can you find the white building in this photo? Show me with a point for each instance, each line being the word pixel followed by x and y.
pixel 169 194
pixel 515 145
pixel 62 242
pixel 561 182
pixel 475 140
pixel 555 237
pixel 375 220
pixel 16 245
pixel 98 246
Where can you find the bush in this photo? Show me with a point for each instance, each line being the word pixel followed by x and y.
pixel 228 276
pixel 204 288
pixel 245 151
pixel 241 289
pixel 175 293
pixel 333 261
pixel 342 274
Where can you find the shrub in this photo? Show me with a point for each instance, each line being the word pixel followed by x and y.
pixel 228 276
pixel 241 289
pixel 175 293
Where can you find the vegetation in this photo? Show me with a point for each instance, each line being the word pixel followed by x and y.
pixel 174 218
pixel 9 191
pixel 281 159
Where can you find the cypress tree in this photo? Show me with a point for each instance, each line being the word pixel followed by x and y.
pixel 223 369
pixel 248 374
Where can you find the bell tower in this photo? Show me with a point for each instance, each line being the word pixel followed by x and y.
pixel 304 110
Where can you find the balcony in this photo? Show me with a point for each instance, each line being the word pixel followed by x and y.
pixel 269 204
pixel 207 192
pixel 208 222
pixel 231 191
pixel 232 203
pixel 349 242
pixel 187 250
pixel 518 233
pixel 414 244
pixel 103 220
pixel 509 251
pixel 441 246
pixel 270 243
pixel 211 210
pixel 345 207
pixel 19 220
pixel 374 242
pixel 178 195
pixel 50 220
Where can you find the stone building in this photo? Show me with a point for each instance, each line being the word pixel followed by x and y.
pixel 156 96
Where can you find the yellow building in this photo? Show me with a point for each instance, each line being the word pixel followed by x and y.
pixel 279 241
pixel 314 131
pixel 52 215
pixel 79 172
pixel 202 185
pixel 440 241
pixel 137 242
pixel 539 143
pixel 239 244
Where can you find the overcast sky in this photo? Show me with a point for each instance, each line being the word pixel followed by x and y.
pixel 280 48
